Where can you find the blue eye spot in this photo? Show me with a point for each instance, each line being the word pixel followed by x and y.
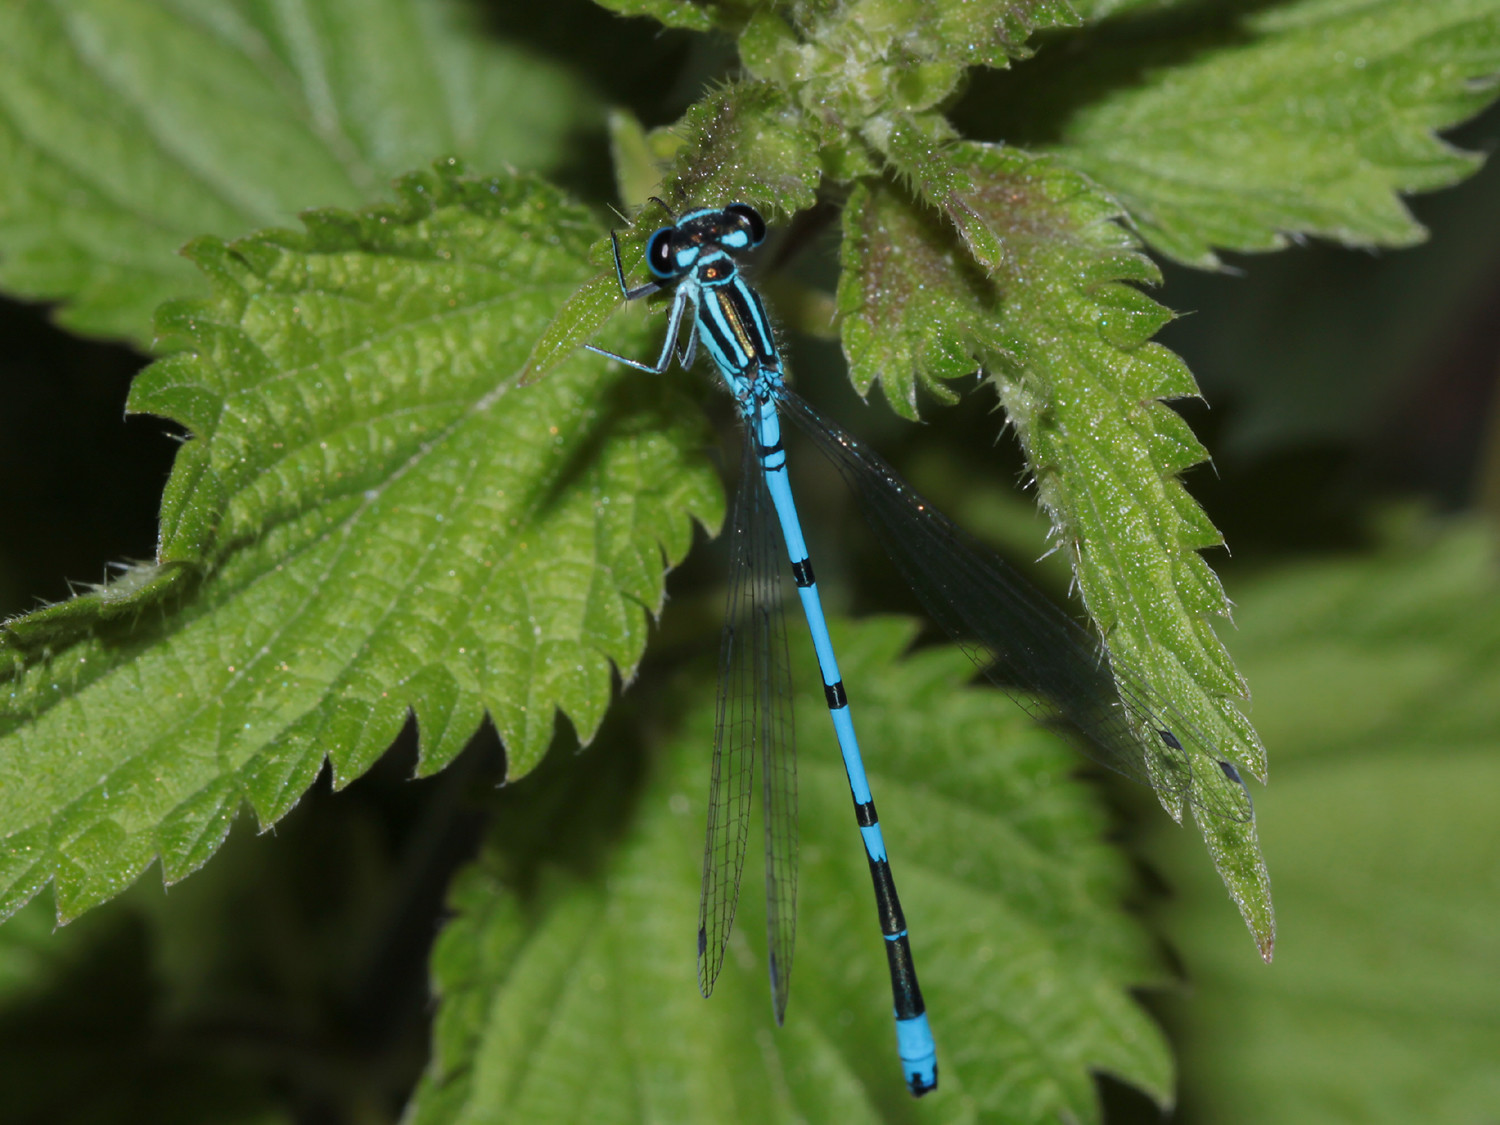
pixel 748 220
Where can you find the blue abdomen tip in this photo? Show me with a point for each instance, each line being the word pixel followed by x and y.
pixel 918 1054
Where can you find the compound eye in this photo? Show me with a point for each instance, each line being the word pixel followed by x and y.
pixel 750 218
pixel 659 253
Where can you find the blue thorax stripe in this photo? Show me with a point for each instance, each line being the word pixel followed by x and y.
pixel 734 327
pixel 717 332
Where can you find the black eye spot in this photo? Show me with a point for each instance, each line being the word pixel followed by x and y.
pixel 659 253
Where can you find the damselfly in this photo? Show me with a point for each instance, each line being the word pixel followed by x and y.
pixel 1038 654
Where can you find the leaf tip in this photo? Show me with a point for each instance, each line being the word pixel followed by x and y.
pixel 1266 943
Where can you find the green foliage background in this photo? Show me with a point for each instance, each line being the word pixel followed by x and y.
pixel 409 503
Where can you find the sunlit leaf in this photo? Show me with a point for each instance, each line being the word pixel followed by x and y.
pixel 372 520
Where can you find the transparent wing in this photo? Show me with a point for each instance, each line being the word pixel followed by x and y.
pixel 1042 658
pixel 754 715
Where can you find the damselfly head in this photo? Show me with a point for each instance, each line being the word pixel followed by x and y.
pixel 672 251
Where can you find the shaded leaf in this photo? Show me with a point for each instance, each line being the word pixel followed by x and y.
pixel 128 127
pixel 1378 681
pixel 572 996
pixel 916 311
pixel 988 33
pixel 1311 118
pixel 1104 9
pixel 694 15
pixel 639 157
pixel 744 143
pixel 87 1035
pixel 922 153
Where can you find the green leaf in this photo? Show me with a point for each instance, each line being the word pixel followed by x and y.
pixel 568 987
pixel 638 156
pixel 855 64
pixel 988 33
pixel 916 311
pixel 577 320
pixel 1378 681
pixel 921 151
pixel 1084 387
pixel 1354 333
pixel 128 127
pixel 745 142
pixel 694 15
pixel 1310 118
pixel 373 520
pixel 1092 10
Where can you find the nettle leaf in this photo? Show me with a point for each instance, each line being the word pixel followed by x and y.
pixel 573 996
pixel 1311 120
pixel 694 15
pixel 745 143
pixel 638 156
pixel 1084 387
pixel 374 522
pixel 989 33
pixel 1092 10
pixel 916 309
pixel 859 64
pixel 1378 678
pixel 128 127
pixel 920 151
